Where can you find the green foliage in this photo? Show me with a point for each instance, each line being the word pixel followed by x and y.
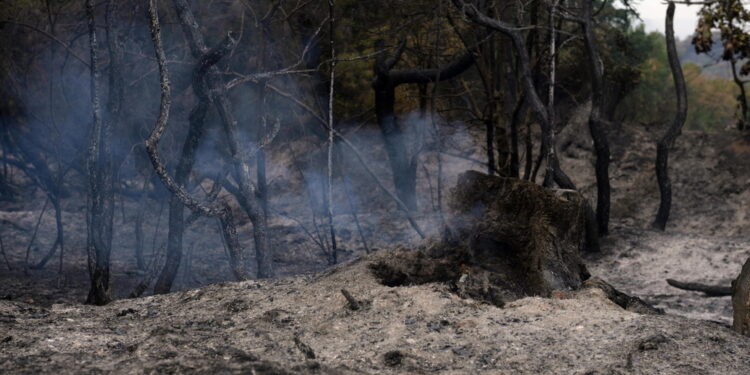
pixel 729 17
pixel 711 100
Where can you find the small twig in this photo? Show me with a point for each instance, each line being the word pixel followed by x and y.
pixel 353 303
pixel 51 37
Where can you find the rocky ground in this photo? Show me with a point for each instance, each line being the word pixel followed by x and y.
pixel 279 326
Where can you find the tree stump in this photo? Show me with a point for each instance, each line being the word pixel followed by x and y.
pixel 741 301
pixel 508 239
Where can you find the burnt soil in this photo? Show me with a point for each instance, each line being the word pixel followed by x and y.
pixel 213 325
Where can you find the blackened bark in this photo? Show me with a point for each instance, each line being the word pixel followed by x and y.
pixel 238 151
pixel 515 120
pixel 185 166
pixel 596 124
pixel 489 125
pixel 386 80
pixel 742 98
pixel 100 190
pixel 205 208
pixel 667 141
pixel 515 101
pixel 529 163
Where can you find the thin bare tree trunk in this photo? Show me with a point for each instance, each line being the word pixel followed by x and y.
pixel 332 229
pixel 100 197
pixel 529 163
pixel 596 124
pixel 551 155
pixel 667 141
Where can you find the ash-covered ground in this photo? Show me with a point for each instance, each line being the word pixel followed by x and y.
pixel 268 326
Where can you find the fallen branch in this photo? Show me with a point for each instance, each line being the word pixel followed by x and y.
pixel 304 348
pixel 708 290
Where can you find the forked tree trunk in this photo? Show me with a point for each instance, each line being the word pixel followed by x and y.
pixel 403 165
pixel 238 151
pixel 223 212
pixel 667 141
pixel 185 165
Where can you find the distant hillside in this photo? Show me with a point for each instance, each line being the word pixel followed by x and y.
pixel 711 63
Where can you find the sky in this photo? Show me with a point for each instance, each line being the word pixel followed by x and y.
pixel 653 13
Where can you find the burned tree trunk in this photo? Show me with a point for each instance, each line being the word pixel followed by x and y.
pixel 596 123
pixel 741 301
pixel 223 212
pixel 742 97
pixel 100 210
pixel 185 165
pixel 667 141
pixel 386 80
pixel 239 153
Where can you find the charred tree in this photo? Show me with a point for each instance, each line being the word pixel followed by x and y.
pixel 742 97
pixel 185 165
pixel 239 154
pixel 222 212
pixel 100 210
pixel 596 122
pixel 667 141
pixel 386 80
